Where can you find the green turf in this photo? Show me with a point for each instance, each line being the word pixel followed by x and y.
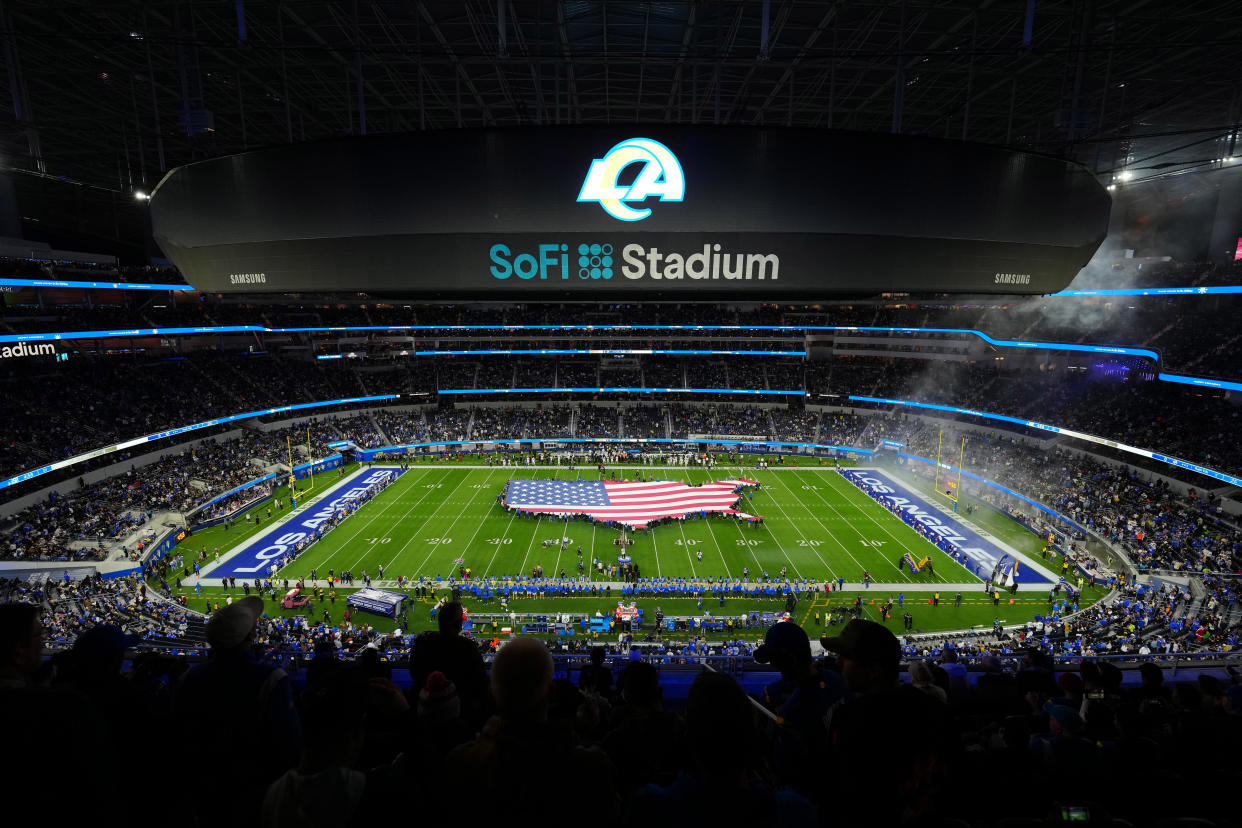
pixel 816 523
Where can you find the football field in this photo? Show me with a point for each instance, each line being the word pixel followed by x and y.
pixel 435 519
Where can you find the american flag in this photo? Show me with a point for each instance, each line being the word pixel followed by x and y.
pixel 633 504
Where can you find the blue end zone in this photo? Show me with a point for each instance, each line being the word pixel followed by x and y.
pixel 916 511
pixel 261 552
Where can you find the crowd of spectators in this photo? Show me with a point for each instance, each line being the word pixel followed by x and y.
pixel 596 421
pixel 646 421
pixel 848 736
pixel 1141 514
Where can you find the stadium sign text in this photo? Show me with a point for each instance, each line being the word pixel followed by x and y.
pixel 247 278
pixel 1012 279
pixel 21 349
pixel 660 175
pixel 596 261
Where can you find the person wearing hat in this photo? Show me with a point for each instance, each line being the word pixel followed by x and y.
pixel 800 699
pixel 882 712
pixel 233 696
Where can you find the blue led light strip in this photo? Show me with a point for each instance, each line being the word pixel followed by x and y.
pixel 1172 291
pixel 1078 435
pixel 1205 382
pixel 1003 343
pixel 172 432
pixel 607 352
pixel 616 391
pixel 57 283
pixel 69 335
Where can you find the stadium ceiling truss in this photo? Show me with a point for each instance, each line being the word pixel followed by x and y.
pixel 115 92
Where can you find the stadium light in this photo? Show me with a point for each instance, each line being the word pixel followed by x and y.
pixel 1125 175
pixel 140 195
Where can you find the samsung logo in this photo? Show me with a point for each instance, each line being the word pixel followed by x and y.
pixel 247 278
pixel 1013 279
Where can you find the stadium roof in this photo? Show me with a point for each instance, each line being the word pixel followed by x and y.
pixel 113 93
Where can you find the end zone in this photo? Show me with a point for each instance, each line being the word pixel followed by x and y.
pixel 255 558
pixel 969 543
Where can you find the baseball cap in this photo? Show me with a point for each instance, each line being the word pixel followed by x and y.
pixel 1066 716
pixel 230 625
pixel 864 641
pixel 784 637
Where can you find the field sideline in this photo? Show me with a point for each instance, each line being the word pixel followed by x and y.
pixel 816 524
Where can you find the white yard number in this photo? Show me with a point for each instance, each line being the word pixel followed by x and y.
pixel 873 543
pixel 499 540
pixel 479 486
pixel 439 540
pixel 688 542
pixel 742 542
pixel 809 543
pixel 378 540
pixel 811 488
pixel 431 485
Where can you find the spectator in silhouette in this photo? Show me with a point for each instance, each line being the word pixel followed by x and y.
pixel 1062 749
pixel 33 713
pixel 871 781
pixel 458 658
pixel 639 726
pixel 596 677
pixel 323 789
pixel 93 668
pixel 517 749
pixel 719 786
pixel 800 698
pixel 233 698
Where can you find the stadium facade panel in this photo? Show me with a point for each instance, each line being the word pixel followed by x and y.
pixel 633 213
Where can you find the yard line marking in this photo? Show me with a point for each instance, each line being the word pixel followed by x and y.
pixel 397 522
pixel 797 571
pixel 560 546
pixel 809 545
pixel 378 514
pixel 419 570
pixel 827 531
pixel 689 557
pixel 500 543
pixel 478 526
pixel 938 576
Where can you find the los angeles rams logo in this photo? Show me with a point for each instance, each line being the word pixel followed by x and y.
pixel 660 176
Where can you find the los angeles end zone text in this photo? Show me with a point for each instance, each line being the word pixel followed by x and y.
pixel 965 541
pixel 816 523
pixel 273 546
